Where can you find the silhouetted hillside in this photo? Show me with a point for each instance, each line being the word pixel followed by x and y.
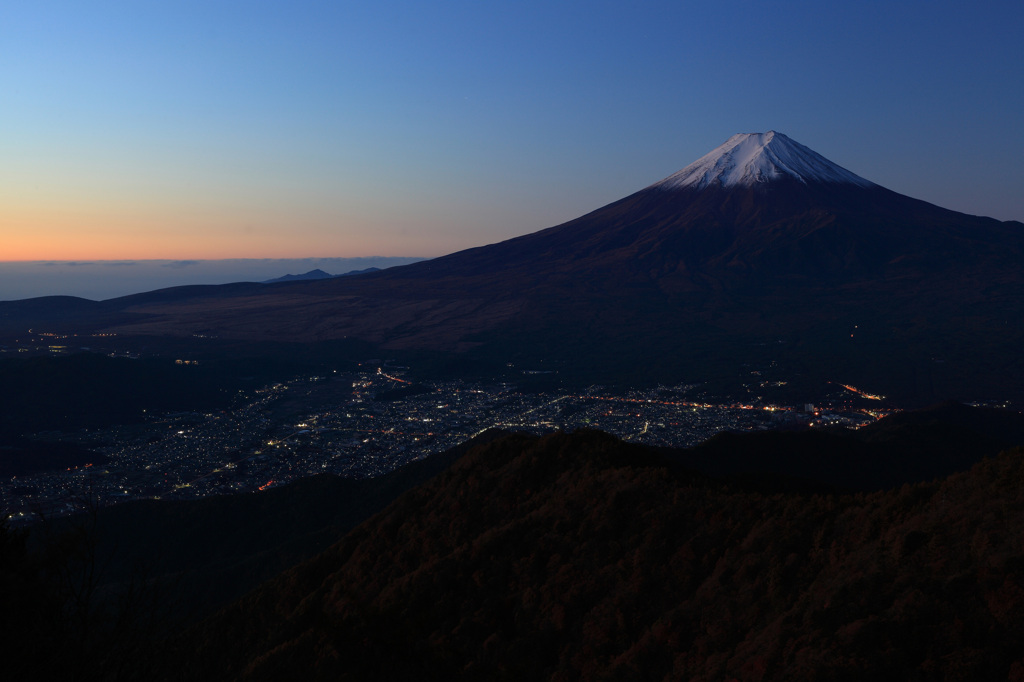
pixel 92 597
pixel 906 447
pixel 93 391
pixel 581 557
pixel 89 389
pixel 205 553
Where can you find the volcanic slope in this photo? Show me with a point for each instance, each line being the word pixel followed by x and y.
pixel 760 251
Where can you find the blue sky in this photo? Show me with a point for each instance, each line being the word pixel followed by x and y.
pixel 256 129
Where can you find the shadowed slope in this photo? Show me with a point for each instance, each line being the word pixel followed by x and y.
pixel 579 557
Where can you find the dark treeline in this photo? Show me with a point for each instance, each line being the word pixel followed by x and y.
pixel 580 557
pixel 564 557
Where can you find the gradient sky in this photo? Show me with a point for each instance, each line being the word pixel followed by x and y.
pixel 249 129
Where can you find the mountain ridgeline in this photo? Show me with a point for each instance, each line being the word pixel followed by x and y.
pixel 568 556
pixel 581 557
pixel 762 251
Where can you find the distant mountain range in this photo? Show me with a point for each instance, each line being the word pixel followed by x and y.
pixel 761 253
pixel 318 274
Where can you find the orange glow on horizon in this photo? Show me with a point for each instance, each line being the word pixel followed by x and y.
pixel 178 217
pixel 55 235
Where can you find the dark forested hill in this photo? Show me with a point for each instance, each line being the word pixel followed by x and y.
pixel 906 447
pixel 581 557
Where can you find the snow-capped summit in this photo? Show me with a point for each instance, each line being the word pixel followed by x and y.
pixel 747 159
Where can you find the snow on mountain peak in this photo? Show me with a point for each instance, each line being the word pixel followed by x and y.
pixel 751 158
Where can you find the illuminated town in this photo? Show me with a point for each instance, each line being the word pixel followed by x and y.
pixel 366 423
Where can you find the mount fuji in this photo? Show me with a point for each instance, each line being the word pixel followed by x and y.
pixel 760 253
pixel 752 158
pixel 760 210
